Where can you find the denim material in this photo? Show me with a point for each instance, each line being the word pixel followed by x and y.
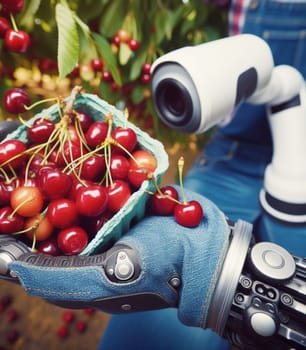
pixel 166 249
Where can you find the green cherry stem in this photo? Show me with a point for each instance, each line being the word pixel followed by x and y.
pixel 180 165
pixel 14 25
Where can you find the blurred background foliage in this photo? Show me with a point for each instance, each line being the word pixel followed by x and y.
pixel 107 46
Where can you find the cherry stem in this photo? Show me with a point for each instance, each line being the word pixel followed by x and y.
pixel 180 165
pixel 74 93
pixel 14 25
pixel 35 104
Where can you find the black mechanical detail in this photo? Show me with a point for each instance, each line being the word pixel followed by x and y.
pixel 269 312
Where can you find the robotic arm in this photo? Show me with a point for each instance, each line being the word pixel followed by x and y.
pixel 195 88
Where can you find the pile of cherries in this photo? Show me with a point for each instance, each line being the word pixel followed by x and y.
pixel 72 176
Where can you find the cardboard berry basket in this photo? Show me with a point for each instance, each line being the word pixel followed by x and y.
pixel 134 209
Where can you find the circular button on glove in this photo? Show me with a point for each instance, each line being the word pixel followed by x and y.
pixel 272 262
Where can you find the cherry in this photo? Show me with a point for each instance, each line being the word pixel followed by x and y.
pixel 93 224
pixel 62 332
pixel 62 212
pixel 17 40
pixel 91 200
pixel 142 165
pixel 12 315
pixel 84 119
pixel 93 167
pixel 133 44
pixel 12 336
pixel 68 316
pixel 49 247
pixel 81 326
pixel 11 153
pixel 188 214
pixel 123 35
pixel 72 240
pixel 145 78
pixel 118 194
pixel 161 204
pixel 13 6
pixel 6 189
pixel 119 166
pixel 27 201
pixel 40 226
pixel 146 68
pixel 126 137
pixel 54 183
pixel 116 40
pixel 9 222
pixel 107 76
pixel 40 131
pixel 96 134
pixel 97 64
pixel 15 100
pixel 4 26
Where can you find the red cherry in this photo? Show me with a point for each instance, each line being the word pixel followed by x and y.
pixel 97 64
pixel 62 332
pixel 12 315
pixel 161 204
pixel 68 316
pixel 12 149
pixel 188 214
pixel 84 119
pixel 145 78
pixel 72 240
pixel 91 200
pixel 10 223
pixel 12 336
pixel 15 99
pixel 96 134
pixel 93 168
pixel 6 189
pixel 107 77
pixel 81 326
pixel 62 212
pixel 126 137
pixel 4 26
pixel 116 40
pixel 118 194
pixel 13 6
pixel 134 44
pixel 17 41
pixel 119 166
pixel 49 247
pixel 146 68
pixel 54 183
pixel 40 131
pixel 93 224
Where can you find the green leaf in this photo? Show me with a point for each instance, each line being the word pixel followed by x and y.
pixel 106 53
pixel 113 17
pixel 68 40
pixel 125 54
pixel 28 14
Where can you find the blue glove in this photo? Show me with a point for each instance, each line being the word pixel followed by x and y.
pixel 157 264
